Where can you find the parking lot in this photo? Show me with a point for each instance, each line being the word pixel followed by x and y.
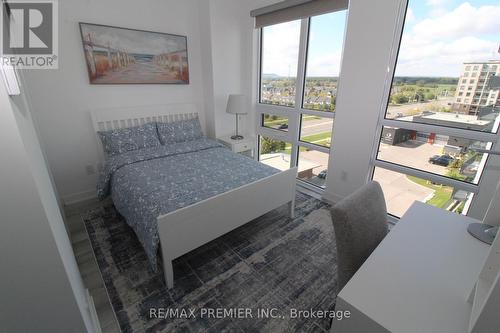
pixel 399 191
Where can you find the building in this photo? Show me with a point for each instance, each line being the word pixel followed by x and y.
pixel 472 88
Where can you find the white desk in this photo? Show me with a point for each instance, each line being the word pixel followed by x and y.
pixel 418 279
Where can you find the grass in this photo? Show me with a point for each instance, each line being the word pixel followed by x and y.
pixel 442 194
pixel 320 138
pixel 282 120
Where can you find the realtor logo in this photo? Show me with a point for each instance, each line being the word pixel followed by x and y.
pixel 29 34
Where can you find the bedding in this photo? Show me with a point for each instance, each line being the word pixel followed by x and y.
pixel 119 141
pixel 179 131
pixel 150 182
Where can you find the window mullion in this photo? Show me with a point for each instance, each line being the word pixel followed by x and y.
pixel 294 119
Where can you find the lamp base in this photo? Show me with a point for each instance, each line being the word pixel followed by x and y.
pixel 484 232
pixel 237 137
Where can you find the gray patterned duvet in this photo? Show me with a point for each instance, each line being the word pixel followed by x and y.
pixel 153 181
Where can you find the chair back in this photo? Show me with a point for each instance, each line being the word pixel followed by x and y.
pixel 360 224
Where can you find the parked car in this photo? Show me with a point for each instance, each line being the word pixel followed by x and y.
pixel 283 126
pixel 322 174
pixel 443 160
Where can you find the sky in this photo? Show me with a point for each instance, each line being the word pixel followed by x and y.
pixel 438 36
pixel 134 41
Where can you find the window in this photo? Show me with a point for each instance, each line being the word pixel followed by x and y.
pixel 274 122
pixel 316 130
pixel 275 153
pixel 429 152
pixel 313 166
pixel 323 61
pixel 444 155
pixel 299 79
pixel 279 59
pixel 401 190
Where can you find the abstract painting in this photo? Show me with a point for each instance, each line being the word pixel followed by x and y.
pixel 127 56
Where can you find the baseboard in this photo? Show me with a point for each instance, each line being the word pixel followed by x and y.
pixel 332 197
pixel 93 312
pixel 76 198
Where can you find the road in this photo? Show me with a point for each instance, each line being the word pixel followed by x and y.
pixel 409 109
pixel 316 126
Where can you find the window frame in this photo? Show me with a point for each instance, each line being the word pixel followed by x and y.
pixel 493 137
pixel 294 113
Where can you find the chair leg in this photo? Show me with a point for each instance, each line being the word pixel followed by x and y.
pixel 169 273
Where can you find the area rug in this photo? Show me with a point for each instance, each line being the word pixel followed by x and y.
pixel 254 279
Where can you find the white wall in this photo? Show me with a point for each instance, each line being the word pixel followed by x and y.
pixel 61 98
pixel 234 52
pixel 40 284
pixel 367 48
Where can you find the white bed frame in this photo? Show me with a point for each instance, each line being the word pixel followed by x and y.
pixel 185 229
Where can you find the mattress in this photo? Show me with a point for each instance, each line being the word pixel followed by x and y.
pixel 147 183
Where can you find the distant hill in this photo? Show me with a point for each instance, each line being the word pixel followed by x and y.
pixel 425 80
pixel 271 76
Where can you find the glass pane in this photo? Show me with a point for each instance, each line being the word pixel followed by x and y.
pixel 274 153
pixel 275 122
pixel 279 59
pixel 444 76
pixel 316 130
pixel 326 36
pixel 401 191
pixel 313 166
pixel 440 154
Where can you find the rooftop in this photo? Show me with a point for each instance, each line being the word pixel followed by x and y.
pixel 449 116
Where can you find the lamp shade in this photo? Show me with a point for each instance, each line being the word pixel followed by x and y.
pixel 237 104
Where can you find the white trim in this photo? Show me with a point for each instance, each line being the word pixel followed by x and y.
pixel 332 197
pixel 79 197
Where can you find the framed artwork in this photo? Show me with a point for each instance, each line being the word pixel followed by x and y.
pixel 127 56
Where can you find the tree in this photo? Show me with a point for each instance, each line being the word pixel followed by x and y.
pixel 270 145
pixel 429 96
pixel 399 99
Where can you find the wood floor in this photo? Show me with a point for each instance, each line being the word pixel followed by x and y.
pixel 88 266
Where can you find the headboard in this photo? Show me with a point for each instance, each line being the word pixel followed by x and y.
pixel 130 116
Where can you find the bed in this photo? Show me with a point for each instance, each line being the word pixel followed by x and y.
pixel 180 196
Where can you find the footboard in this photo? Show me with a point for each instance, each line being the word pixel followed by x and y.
pixel 190 227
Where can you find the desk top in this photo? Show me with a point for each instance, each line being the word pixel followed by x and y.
pixel 419 278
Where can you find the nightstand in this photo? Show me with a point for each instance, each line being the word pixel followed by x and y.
pixel 245 146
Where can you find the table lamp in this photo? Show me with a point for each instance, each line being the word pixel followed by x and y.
pixel 237 104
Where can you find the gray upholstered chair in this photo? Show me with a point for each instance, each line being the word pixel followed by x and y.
pixel 360 224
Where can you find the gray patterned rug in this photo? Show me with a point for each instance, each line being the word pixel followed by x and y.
pixel 273 262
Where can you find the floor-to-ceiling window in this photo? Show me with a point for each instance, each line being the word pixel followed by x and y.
pixel 442 111
pixel 299 77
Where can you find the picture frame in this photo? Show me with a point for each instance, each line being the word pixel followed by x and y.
pixel 117 55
